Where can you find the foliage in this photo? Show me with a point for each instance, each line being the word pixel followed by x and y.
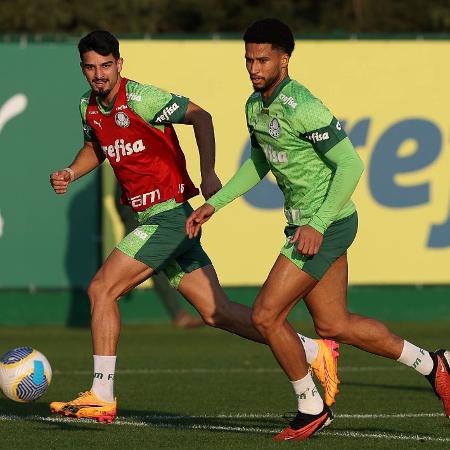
pixel 223 16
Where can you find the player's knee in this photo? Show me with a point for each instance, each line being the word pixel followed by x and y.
pixel 331 330
pixel 262 320
pixel 92 290
pixel 96 291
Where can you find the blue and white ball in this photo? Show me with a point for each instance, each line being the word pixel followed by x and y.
pixel 25 374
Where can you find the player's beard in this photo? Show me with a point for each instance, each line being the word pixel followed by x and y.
pixel 267 84
pixel 101 92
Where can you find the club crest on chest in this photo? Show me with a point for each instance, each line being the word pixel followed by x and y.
pixel 274 128
pixel 121 119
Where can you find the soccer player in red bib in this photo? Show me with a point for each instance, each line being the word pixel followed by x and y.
pixel 130 124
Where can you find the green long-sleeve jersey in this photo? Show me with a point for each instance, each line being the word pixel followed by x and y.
pixel 294 135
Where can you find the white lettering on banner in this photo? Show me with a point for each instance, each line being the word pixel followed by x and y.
pixel 288 101
pixel 275 156
pixel 120 148
pixel 167 112
pixel 11 108
pixel 181 188
pixel 145 199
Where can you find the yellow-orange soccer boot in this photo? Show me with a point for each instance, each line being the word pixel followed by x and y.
pixel 324 368
pixel 87 406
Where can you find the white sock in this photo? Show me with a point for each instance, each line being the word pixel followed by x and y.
pixel 311 348
pixel 103 384
pixel 416 358
pixel 308 397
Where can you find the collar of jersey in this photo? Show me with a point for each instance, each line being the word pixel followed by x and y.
pixel 106 110
pixel 274 95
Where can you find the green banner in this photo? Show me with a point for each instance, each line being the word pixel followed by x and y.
pixel 45 240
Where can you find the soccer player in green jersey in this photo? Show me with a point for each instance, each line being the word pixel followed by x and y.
pixel 296 137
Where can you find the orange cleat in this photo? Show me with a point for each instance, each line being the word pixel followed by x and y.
pixel 325 369
pixel 87 406
pixel 440 377
pixel 304 425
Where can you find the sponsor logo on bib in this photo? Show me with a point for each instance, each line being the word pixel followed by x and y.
pixel 122 148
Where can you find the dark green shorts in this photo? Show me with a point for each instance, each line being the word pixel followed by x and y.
pixel 336 240
pixel 161 243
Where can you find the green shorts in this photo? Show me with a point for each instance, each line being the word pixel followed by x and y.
pixel 336 240
pixel 160 242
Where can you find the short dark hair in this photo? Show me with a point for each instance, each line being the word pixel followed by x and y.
pixel 101 42
pixel 271 31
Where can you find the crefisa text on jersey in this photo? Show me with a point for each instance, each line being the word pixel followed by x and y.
pixel 122 148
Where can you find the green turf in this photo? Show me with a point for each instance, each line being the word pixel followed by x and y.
pixel 201 389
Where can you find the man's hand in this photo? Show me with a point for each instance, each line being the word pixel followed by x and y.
pixel 210 185
pixel 197 219
pixel 60 180
pixel 309 240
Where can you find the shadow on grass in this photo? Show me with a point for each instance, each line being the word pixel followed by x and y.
pixel 39 412
pixel 211 423
pixel 395 387
pixel 10 408
pixel 379 431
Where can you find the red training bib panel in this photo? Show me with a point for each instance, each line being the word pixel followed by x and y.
pixel 148 163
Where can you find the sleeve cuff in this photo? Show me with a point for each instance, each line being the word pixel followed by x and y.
pixel 214 203
pixel 318 224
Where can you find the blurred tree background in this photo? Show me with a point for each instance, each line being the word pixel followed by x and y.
pixel 143 17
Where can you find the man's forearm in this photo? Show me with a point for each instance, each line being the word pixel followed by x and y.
pixel 249 175
pixel 204 135
pixel 202 123
pixel 87 159
pixel 349 168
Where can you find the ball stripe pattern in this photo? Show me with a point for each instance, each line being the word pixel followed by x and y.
pixel 16 355
pixel 28 391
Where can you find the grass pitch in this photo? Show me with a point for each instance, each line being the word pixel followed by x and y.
pixel 206 389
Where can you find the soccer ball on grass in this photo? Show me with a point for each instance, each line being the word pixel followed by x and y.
pixel 25 374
